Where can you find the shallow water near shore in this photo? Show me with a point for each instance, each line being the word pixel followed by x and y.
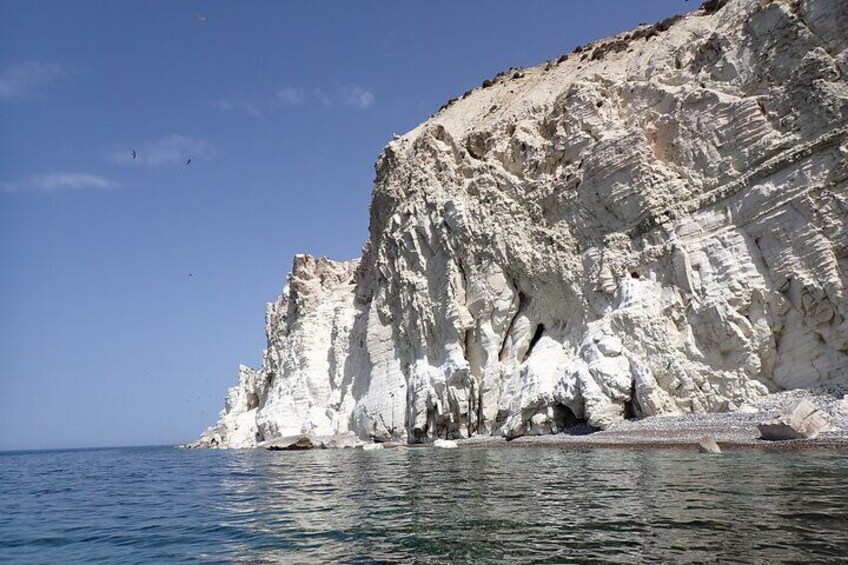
pixel 518 505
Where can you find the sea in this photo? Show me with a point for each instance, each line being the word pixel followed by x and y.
pixel 423 505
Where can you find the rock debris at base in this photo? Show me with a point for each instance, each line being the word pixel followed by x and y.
pixel 802 420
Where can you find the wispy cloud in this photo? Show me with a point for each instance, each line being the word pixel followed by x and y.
pixel 357 97
pixel 290 96
pixel 237 105
pixel 322 98
pixel 171 150
pixel 61 182
pixel 348 96
pixel 23 80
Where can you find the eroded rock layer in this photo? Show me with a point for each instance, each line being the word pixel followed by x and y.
pixel 653 224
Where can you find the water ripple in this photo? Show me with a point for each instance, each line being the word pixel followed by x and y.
pixel 161 505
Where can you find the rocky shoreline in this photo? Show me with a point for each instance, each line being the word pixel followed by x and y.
pixel 730 430
pixel 738 429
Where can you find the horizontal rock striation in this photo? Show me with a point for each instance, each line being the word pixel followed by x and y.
pixel 654 224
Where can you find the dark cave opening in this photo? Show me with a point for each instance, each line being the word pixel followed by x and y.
pixel 564 416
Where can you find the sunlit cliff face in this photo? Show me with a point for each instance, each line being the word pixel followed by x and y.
pixel 655 224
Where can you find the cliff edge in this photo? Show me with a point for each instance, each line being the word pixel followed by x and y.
pixel 654 224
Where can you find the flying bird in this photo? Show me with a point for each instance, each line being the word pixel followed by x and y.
pixel 189 161
pixel 201 19
pixel 133 153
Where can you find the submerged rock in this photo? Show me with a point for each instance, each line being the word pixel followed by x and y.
pixel 653 226
pixel 803 420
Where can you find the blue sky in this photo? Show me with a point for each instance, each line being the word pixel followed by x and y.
pixel 130 289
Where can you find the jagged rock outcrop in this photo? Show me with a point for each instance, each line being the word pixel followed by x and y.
pixel 803 420
pixel 653 224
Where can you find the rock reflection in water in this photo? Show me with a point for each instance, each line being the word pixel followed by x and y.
pixel 516 505
pixel 534 505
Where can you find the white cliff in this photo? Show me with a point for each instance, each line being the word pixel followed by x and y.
pixel 654 224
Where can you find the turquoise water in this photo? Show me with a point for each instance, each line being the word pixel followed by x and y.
pixel 527 505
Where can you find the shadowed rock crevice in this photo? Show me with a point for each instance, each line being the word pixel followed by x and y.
pixel 537 335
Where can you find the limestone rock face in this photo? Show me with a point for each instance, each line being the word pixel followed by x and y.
pixel 304 383
pixel 654 224
pixel 803 420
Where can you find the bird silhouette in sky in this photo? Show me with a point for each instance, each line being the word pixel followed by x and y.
pixel 189 161
pixel 134 153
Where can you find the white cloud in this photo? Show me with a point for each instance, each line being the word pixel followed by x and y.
pixel 235 104
pixel 20 81
pixel 61 182
pixel 350 96
pixel 171 150
pixel 290 96
pixel 323 98
pixel 357 97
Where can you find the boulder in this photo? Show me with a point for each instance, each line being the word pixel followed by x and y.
pixel 292 443
pixel 803 420
pixel 342 441
pixel 445 444
pixel 394 445
pixel 708 445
